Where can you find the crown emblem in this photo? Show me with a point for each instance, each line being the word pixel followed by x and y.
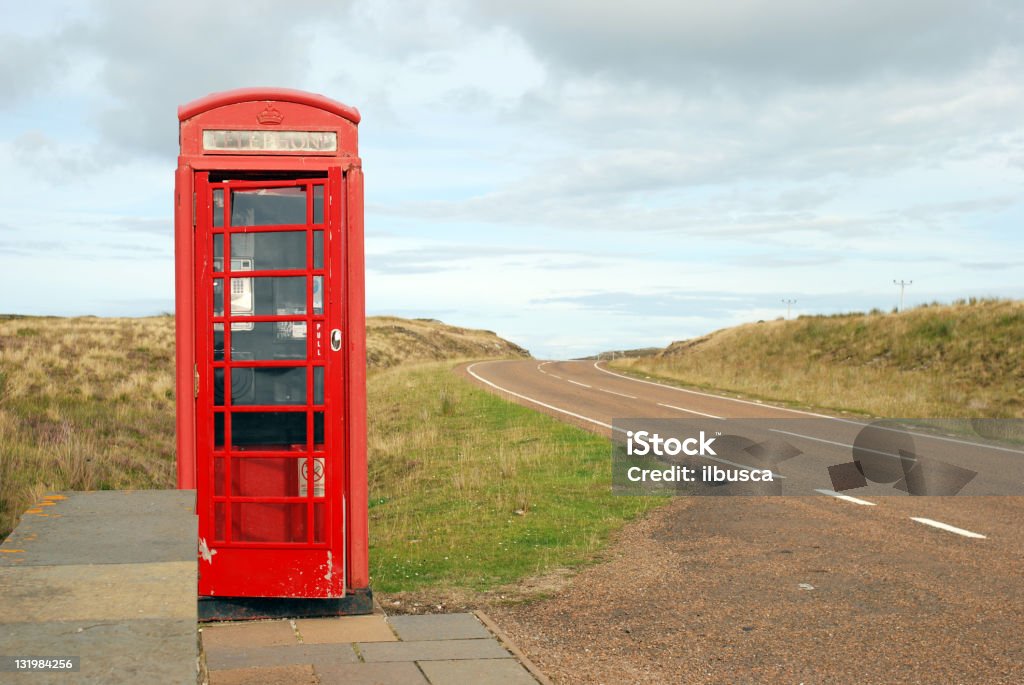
pixel 270 116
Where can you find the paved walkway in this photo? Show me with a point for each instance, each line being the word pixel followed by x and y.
pixel 108 578
pixel 444 649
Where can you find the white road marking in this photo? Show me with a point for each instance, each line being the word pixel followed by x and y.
pixel 620 394
pixel 547 373
pixel 688 411
pixel 846 498
pixel 811 413
pixel 947 527
pixel 582 385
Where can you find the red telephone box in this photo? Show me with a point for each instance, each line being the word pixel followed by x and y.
pixel 271 356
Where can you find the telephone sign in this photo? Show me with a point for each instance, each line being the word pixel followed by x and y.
pixel 271 358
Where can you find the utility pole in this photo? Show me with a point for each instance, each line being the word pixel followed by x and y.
pixel 903 285
pixel 789 306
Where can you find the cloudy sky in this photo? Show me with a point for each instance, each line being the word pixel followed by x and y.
pixel 577 176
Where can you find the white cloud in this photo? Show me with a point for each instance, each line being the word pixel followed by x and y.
pixel 530 164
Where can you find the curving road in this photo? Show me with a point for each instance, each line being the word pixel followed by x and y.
pixel 929 587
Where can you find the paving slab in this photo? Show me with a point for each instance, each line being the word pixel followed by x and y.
pixel 251 634
pixel 301 674
pixel 477 672
pixel 102 592
pixel 109 527
pixel 438 627
pixel 113 651
pixel 395 673
pixel 225 658
pixel 432 650
pixel 345 629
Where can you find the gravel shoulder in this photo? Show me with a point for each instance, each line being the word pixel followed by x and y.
pixel 782 590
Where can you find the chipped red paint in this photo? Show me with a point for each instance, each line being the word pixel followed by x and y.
pixel 296 541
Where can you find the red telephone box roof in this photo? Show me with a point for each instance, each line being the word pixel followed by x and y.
pixel 231 97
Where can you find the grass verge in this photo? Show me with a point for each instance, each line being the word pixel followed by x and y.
pixel 468 490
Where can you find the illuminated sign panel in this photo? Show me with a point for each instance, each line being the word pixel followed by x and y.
pixel 270 141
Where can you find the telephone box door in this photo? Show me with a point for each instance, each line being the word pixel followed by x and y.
pixel 269 386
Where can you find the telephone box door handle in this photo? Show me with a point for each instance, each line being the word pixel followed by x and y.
pixel 336 339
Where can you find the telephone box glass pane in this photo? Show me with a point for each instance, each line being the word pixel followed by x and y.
pixel 268 522
pixel 218 207
pixel 267 386
pixel 269 341
pixel 272 429
pixel 318 430
pixel 242 386
pixel 318 204
pixel 218 297
pixel 318 385
pixel 268 207
pixel 272 250
pixel 218 431
pixel 265 477
pixel 256 386
pixel 318 249
pixel 318 294
pixel 268 296
pixel 218 251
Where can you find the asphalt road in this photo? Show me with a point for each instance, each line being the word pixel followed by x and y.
pixel 868 585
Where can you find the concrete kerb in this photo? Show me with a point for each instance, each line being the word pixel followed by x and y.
pixel 507 643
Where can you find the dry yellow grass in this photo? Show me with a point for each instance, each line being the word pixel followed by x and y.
pixel 961 360
pixel 88 403
pixel 391 340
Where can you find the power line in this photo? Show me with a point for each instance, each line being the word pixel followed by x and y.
pixel 903 285
pixel 789 306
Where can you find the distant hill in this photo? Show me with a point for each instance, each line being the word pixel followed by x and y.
pixel 87 403
pixel 963 359
pixel 391 340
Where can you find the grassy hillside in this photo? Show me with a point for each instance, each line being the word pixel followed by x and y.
pixel 960 360
pixel 88 403
pixel 392 341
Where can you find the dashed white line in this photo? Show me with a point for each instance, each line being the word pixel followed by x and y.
pixel 620 394
pixel 945 526
pixel 846 498
pixel 689 411
pixel 582 385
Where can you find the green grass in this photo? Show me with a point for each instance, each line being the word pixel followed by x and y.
pixel 468 490
pixel 960 360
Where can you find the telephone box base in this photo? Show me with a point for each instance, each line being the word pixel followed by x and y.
pixel 253 608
